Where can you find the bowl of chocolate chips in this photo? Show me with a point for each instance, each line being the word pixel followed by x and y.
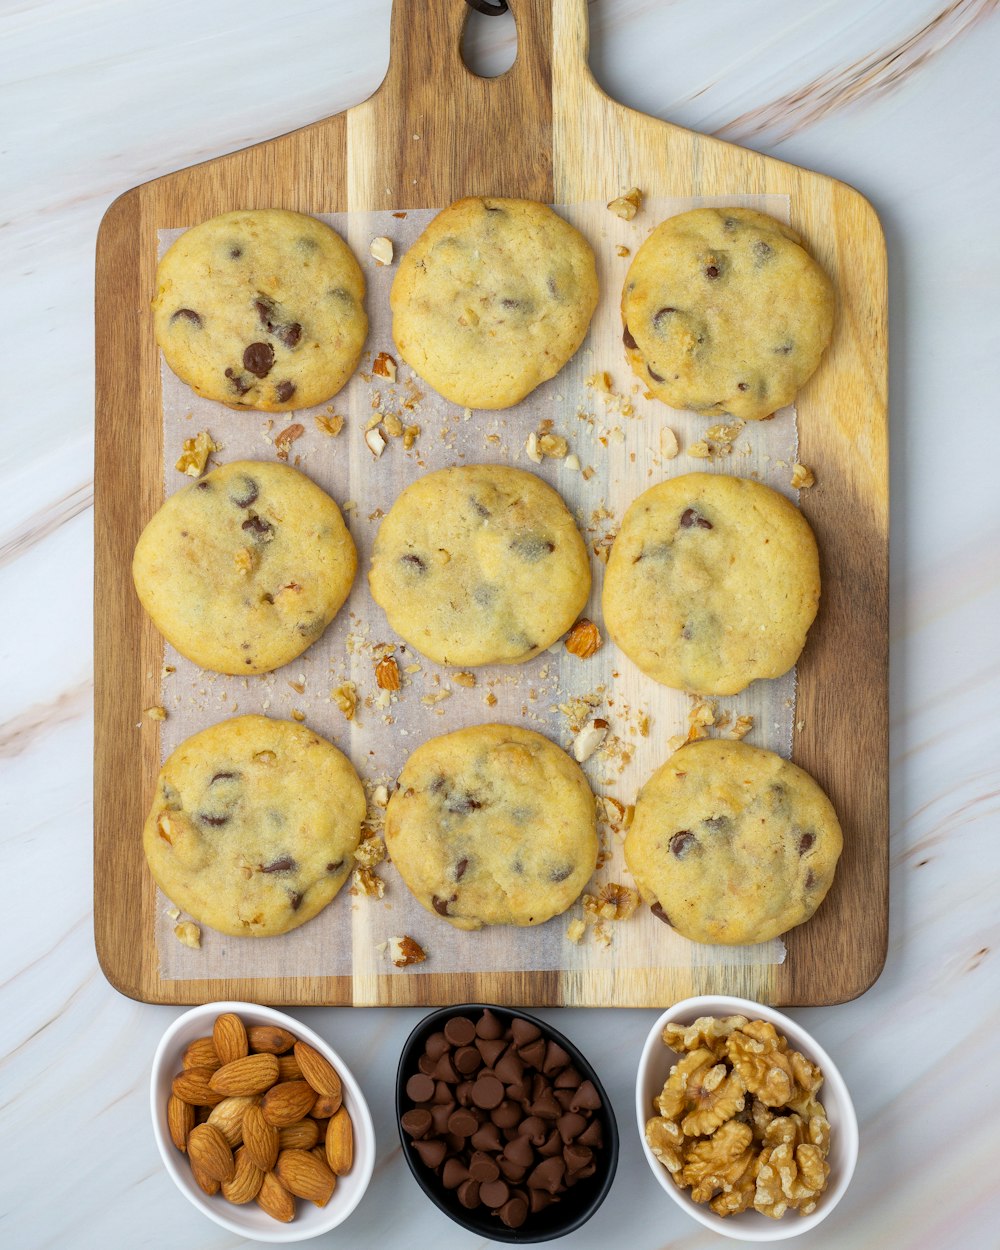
pixel 504 1123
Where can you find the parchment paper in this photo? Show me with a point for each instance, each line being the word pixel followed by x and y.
pixel 615 435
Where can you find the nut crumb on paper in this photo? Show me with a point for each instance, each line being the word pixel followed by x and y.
pixel 156 712
pixel 589 739
pixel 368 882
pixel 404 951
pixel 802 477
pixel 387 673
pixel 346 698
pixel 284 440
pixel 197 450
pixel 188 934
pixel 329 423
pixel 384 366
pixel 627 204
pixel 669 447
pixel 370 852
pixel 381 250
pixel 584 639
pixel 468 680
pixel 575 930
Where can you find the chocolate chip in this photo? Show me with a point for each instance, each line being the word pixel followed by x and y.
pixel 523 1031
pixel 718 824
pixel 545 1105
pixel 660 914
pixel 487 1093
pixel 460 1031
pixel 243 491
pixel 762 252
pixel 570 1125
pixel 261 529
pixel 489 1027
pixel 483 1168
pixel 810 879
pixel 216 822
pixel 491 1049
pixel 628 340
pixel 431 1153
pixel 569 1078
pixel 653 374
pixel 587 1097
pixel 414 563
pixel 187 314
pixel 460 868
pixel 335 866
pixel 204 486
pixel 682 843
pixel 561 872
pixel 690 519
pixel 453 1173
pixel 494 1193
pixel 467 1059
pixel 289 334
pixel 440 1115
pixel 533 1053
pixel 577 1157
pixel 661 317
pixel 284 391
pixel 806 842
pixel 462 804
pixel 548 1174
pixel 436 1045
pixel 420 1088
pixel 785 349
pixel 540 1199
pixel 487 1137
pixel 441 904
pixel 479 508
pixel 550 282
pixel 239 384
pixel 711 271
pixel 284 863
pixel 235 252
pixel 518 1150
pixel 555 1059
pixel 426 1065
pixel 729 224
pixel 258 358
pixel 462 1123
pixel 532 547
pixel 593 1136
pixel 507 1115
pixel 223 777
pixel 468 1193
pixel 522 304
pixel 294 899
pixel 417 1122
pixel 742 386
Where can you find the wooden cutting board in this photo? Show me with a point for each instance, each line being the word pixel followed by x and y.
pixel 543 130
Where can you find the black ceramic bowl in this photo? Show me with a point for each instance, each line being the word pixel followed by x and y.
pixel 575 1207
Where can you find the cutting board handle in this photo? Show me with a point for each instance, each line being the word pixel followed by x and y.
pixel 425 44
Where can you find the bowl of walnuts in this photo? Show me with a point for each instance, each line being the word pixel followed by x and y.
pixel 260 1123
pixel 745 1120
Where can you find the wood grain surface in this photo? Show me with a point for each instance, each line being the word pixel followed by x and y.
pixel 543 130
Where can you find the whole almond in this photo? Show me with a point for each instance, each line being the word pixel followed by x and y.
pixel 269 1038
pixel 325 1106
pixel 340 1143
pixel 207 1184
pixel 251 1075
pixel 288 1068
pixel 302 1135
pixel 246 1182
pixel 209 1151
pixel 194 1086
pixel 304 1175
pixel 229 1037
pixel 180 1121
pixel 201 1053
pixel 275 1199
pixel 319 1072
pixel 227 1117
pixel 285 1103
pixel 260 1139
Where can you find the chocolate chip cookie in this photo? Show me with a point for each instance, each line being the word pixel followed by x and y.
pixel 731 844
pixel 261 309
pixel 712 582
pixel 725 312
pixel 244 569
pixel 493 299
pixel 480 564
pixel 253 825
pixel 492 825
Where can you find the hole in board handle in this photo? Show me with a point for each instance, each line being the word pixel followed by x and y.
pixel 489 47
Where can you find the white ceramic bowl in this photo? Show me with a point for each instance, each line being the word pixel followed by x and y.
pixel 250 1220
pixel 654 1068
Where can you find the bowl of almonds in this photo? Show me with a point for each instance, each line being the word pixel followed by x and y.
pixel 260 1123
pixel 745 1120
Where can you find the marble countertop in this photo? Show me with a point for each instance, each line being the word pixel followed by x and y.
pixel 898 98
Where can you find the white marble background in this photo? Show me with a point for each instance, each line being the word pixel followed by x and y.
pixel 898 97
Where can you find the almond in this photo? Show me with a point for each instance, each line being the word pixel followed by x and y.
pixel 246 1182
pixel 251 1075
pixel 285 1103
pixel 302 1135
pixel 584 639
pixel 201 1053
pixel 325 1106
pixel 209 1151
pixel 227 1117
pixel 288 1068
pixel 304 1175
pixel 207 1184
pixel 269 1038
pixel 230 1038
pixel 275 1199
pixel 260 1138
pixel 319 1072
pixel 180 1121
pixel 194 1086
pixel 340 1143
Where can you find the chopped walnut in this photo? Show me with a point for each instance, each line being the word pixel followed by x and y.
pixel 717 1162
pixel 385 366
pixel 575 930
pixel 284 440
pixel 346 698
pixel 267 758
pixel 741 727
pixel 404 951
pixel 393 425
pixel 708 1032
pixel 196 452
pixel 622 250
pixel 491 699
pixel 669 447
pixel 410 435
pixel 368 882
pixel 584 639
pixel 381 250
pixel 666 1142
pixel 464 679
pixel 531 448
pixel 600 381
pixel 553 445
pixel 616 902
pixel 188 933
pixel 802 477
pixel 387 674
pixel 155 712
pixel 244 561
pixel 370 852
pixel 330 423
pixel 627 204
